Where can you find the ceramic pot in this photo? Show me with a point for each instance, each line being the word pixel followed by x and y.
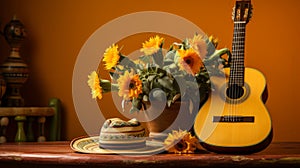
pixel 14 69
pixel 177 116
pixel 2 87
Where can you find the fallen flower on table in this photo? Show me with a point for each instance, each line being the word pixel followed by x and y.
pixel 181 142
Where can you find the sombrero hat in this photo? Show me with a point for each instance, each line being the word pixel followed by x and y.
pixel 91 145
pixel 118 137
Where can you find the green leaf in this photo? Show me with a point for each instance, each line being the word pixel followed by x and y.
pixel 192 84
pixel 114 76
pixel 127 63
pixel 165 82
pixel 145 98
pixel 133 110
pixel 151 78
pixel 158 58
pixel 123 105
pixel 136 102
pixel 171 68
pixel 158 95
pixel 146 87
pixel 170 55
pixel 169 103
pixel 145 58
pixel 105 84
pixel 176 97
pixel 215 56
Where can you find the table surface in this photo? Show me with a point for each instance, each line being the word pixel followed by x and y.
pixel 48 154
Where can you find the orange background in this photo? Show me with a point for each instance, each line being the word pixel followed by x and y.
pixel 57 29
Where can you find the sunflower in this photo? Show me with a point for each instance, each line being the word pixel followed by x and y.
pixel 94 84
pixel 181 142
pixel 111 56
pixel 189 61
pixel 152 45
pixel 199 45
pixel 130 86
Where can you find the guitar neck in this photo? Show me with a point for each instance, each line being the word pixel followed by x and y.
pixel 237 68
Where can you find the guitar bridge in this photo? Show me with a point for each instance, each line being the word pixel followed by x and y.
pixel 233 119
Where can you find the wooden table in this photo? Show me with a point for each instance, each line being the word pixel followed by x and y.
pixel 59 154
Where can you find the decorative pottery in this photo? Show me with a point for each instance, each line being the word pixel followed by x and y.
pixel 2 87
pixel 177 116
pixel 14 69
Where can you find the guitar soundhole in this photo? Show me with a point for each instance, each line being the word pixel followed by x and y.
pixel 235 91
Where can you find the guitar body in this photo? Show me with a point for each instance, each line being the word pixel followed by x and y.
pixel 239 124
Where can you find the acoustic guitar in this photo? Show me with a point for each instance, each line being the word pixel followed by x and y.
pixel 234 119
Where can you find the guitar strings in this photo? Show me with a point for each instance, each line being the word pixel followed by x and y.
pixel 233 82
pixel 239 67
pixel 232 73
pixel 236 79
pixel 236 75
pixel 235 71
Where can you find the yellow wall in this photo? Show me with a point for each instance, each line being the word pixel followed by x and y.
pixel 57 29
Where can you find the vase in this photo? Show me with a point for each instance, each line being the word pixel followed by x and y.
pixel 178 116
pixel 14 69
pixel 2 87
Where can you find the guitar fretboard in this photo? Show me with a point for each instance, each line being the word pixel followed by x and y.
pixel 237 62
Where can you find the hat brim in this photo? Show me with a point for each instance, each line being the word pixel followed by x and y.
pixel 91 145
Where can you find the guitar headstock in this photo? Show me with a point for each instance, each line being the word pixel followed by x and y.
pixel 242 11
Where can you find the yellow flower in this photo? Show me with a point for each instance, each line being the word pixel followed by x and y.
pixel 181 142
pixel 130 86
pixel 199 45
pixel 152 45
pixel 111 56
pixel 94 84
pixel 189 61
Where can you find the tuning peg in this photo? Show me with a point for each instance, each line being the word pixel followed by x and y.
pixel 233 13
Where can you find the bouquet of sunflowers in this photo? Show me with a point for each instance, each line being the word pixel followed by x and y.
pixel 158 73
